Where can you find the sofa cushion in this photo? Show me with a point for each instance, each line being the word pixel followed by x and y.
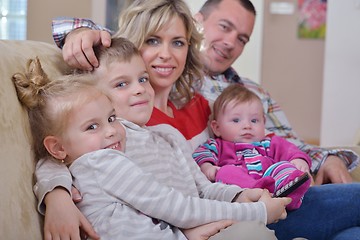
pixel 19 218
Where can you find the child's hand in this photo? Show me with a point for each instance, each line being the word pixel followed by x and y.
pixel 209 171
pixel 63 220
pixel 300 164
pixel 275 207
pixel 205 231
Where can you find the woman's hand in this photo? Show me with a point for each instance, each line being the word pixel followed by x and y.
pixel 63 220
pixel 205 231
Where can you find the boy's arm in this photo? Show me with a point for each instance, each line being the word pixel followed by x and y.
pixel 53 191
pixel 205 188
pixel 50 175
pixel 142 192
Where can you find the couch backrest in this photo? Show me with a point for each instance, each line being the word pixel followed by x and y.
pixel 19 218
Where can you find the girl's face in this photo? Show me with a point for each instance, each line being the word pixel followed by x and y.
pixel 91 127
pixel 127 85
pixel 240 122
pixel 165 53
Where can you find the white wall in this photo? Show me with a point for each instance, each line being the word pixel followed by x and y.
pixel 341 95
pixel 249 64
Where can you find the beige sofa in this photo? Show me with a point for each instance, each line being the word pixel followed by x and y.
pixel 18 216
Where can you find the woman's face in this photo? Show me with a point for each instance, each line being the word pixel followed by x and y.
pixel 165 53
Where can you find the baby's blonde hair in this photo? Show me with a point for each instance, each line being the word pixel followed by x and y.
pixel 234 92
pixel 50 102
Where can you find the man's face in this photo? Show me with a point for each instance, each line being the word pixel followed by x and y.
pixel 227 29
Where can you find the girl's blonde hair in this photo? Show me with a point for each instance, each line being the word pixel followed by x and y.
pixel 49 103
pixel 143 18
pixel 234 92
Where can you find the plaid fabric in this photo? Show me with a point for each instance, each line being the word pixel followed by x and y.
pixel 63 25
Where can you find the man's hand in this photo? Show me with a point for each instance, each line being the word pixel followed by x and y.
pixel 63 220
pixel 333 171
pixel 78 48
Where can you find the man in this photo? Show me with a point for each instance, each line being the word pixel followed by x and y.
pixel 226 32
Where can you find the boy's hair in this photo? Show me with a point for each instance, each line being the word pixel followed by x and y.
pixel 209 6
pixel 143 18
pixel 234 92
pixel 121 50
pixel 50 102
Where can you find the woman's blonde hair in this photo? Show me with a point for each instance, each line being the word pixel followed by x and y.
pixel 143 18
pixel 49 103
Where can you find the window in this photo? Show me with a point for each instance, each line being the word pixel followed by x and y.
pixel 13 19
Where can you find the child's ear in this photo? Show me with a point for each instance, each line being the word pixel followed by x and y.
pixel 54 147
pixel 215 128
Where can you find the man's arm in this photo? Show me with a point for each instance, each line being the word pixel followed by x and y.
pixel 77 37
pixel 63 25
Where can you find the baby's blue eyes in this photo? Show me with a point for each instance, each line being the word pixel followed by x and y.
pixel 237 120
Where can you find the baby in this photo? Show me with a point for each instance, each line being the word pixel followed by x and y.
pixel 243 154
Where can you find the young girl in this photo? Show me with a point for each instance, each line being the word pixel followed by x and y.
pixel 243 154
pixel 143 198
